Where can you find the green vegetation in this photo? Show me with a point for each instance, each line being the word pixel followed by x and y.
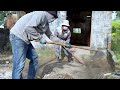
pixel 46 52
pixel 116 38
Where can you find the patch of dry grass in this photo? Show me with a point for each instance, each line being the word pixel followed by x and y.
pixel 46 53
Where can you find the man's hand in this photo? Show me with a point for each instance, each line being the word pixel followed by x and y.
pixel 68 45
pixel 41 42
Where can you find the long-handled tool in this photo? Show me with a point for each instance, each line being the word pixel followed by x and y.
pixel 73 46
pixel 63 45
pixel 97 55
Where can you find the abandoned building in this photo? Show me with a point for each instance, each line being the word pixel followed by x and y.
pixel 91 29
pixel 88 28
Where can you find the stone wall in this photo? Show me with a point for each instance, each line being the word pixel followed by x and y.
pixel 100 29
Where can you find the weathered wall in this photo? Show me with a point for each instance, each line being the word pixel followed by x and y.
pixel 100 28
pixel 20 13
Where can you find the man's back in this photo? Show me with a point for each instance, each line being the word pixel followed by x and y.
pixel 19 28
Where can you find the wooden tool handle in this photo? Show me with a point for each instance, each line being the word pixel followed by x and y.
pixel 62 44
pixel 73 46
pixel 78 59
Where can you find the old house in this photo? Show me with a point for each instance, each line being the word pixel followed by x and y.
pixel 89 28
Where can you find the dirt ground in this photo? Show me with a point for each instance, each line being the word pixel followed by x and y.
pixel 5 66
pixel 72 69
pixel 49 69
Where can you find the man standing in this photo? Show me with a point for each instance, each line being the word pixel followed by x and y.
pixel 64 34
pixel 29 27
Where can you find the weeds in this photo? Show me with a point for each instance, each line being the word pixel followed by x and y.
pixel 46 52
pixel 116 39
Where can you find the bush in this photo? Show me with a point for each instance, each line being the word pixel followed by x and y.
pixel 115 26
pixel 116 38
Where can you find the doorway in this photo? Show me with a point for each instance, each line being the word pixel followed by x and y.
pixel 80 26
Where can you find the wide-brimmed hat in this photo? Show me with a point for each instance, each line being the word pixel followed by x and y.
pixel 66 23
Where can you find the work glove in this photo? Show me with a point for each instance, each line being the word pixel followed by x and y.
pixel 68 45
pixel 41 42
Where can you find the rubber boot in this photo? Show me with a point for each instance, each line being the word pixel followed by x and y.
pixel 70 59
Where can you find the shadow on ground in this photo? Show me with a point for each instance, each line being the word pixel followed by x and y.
pixel 48 68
